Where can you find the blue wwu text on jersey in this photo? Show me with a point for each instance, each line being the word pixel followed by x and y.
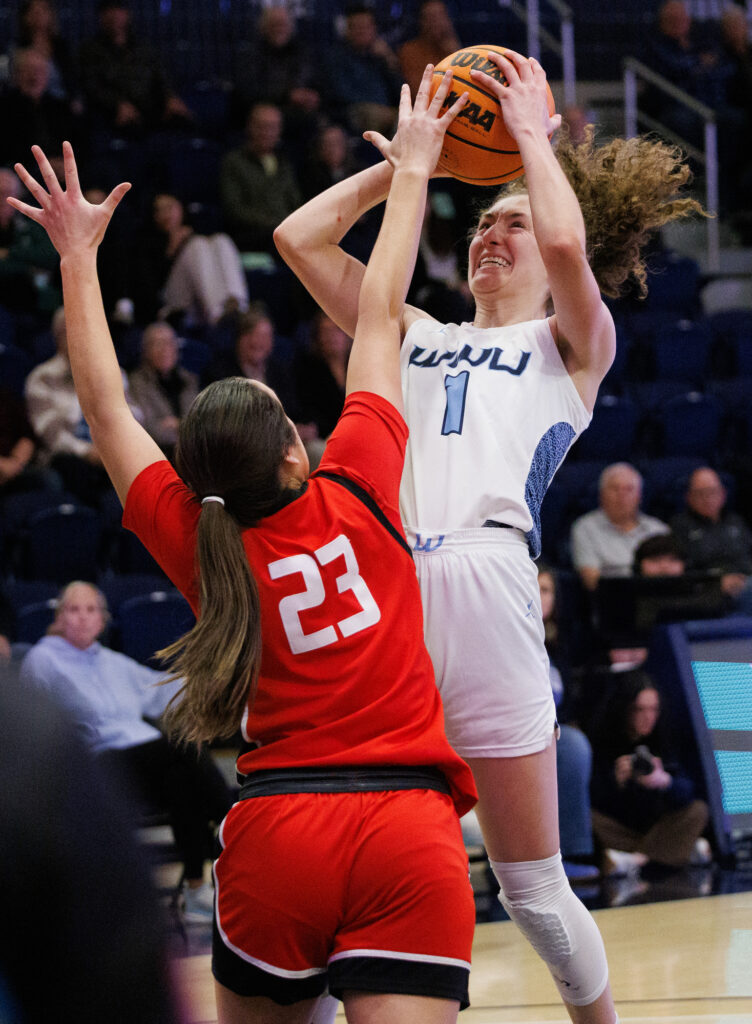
pixel 491 357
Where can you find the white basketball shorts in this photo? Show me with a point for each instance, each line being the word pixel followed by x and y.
pixel 484 632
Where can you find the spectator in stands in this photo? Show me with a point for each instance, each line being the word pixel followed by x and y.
pixel 180 272
pixel 110 697
pixel 319 371
pixel 253 355
pixel 32 115
pixel 123 79
pixel 363 75
pixel 331 160
pixel 436 39
pixel 644 803
pixel 689 61
pixel 693 60
pixel 18 446
pixel 161 387
pixel 660 555
pixel 573 754
pixel 257 185
pixel 280 68
pixel 715 539
pixel 439 284
pixel 27 260
pixel 604 541
pixel 57 421
pixel 737 50
pixel 37 30
pixel 318 380
pixel 117 262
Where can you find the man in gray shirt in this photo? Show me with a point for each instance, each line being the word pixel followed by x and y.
pixel 604 541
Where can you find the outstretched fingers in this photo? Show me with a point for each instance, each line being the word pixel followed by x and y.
pixel 451 112
pixel 32 212
pixel 71 170
pixel 50 178
pixel 437 102
pixel 113 199
pixel 32 185
pixel 422 96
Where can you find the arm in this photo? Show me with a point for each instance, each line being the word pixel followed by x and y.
pixel 76 228
pixel 17 459
pixel 584 553
pixel 374 359
pixel 582 324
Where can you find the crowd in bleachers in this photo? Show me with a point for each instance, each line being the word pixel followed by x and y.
pixel 194 291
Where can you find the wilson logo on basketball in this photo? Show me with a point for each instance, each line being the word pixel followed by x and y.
pixel 472 59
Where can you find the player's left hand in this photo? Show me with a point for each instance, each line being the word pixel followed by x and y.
pixel 524 98
pixel 73 224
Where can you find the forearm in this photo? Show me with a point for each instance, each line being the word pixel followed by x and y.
pixel 557 218
pixel 96 372
pixel 309 242
pixel 387 277
pixel 21 453
pixel 326 219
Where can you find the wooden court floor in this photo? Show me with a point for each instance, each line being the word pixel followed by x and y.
pixel 680 962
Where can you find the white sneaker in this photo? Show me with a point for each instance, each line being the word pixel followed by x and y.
pixel 619 863
pixel 702 853
pixel 198 904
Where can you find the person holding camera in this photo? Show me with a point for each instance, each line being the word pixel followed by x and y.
pixel 644 806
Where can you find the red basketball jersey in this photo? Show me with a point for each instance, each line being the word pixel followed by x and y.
pixel 345 676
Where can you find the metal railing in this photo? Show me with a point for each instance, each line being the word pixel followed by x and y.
pixel 529 14
pixel 707 157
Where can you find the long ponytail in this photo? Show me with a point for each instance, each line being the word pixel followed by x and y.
pixel 231 445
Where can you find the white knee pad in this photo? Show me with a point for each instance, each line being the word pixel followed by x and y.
pixel 537 896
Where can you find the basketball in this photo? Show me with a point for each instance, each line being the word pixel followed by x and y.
pixel 477 147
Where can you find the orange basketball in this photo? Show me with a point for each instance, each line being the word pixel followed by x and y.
pixel 477 147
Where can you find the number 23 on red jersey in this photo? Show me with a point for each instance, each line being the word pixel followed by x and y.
pixel 314 595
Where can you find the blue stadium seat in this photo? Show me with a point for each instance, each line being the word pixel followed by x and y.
pixel 194 355
pixel 130 556
pixel 674 285
pixel 210 103
pixel 63 544
pixel 579 480
pixel 15 365
pixel 611 434
pixel 193 169
pixel 33 620
pixel 152 621
pixel 681 350
pixel 649 395
pixel 118 588
pixel 690 425
pixel 731 331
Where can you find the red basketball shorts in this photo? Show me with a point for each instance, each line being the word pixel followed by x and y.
pixel 358 891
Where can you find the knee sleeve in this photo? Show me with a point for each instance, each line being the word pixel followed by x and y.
pixel 537 896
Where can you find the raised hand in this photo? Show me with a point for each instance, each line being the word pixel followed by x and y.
pixel 421 126
pixel 73 224
pixel 524 99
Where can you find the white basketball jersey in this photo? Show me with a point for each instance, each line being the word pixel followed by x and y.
pixel 492 412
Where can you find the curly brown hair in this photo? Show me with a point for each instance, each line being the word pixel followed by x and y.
pixel 627 189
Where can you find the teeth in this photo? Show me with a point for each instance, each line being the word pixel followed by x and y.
pixel 495 259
